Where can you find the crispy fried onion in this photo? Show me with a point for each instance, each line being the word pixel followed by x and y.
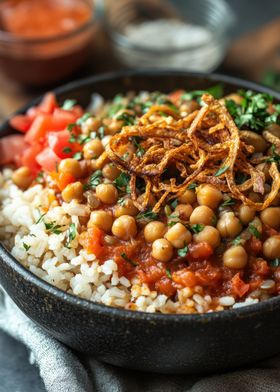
pixel 174 152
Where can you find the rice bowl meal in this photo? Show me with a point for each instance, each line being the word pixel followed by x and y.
pixel 152 202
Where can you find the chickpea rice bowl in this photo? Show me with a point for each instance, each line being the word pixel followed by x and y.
pixel 152 202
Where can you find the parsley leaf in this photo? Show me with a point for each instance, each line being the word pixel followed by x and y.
pixel 26 247
pixel 136 141
pixel 275 263
pixel 196 228
pixel 84 118
pixel 174 203
pixel 126 258
pixel 275 156
pixel 221 171
pixel 40 177
pixel 183 252
pixel 228 202
pixel 67 150
pixel 78 156
pixel 128 119
pixel 53 227
pixel 69 104
pixel 147 215
pixel 41 218
pixel 254 231
pixel 168 273
pixel 94 179
pixel 71 234
pixel 192 186
pixel 122 182
pixel 216 91
pixel 237 241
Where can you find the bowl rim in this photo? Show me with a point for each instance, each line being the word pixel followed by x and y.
pixel 10 38
pixel 87 305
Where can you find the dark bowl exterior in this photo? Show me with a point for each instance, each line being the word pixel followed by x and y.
pixel 151 342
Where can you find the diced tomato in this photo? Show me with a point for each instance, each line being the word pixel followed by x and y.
pixel 33 112
pixel 254 246
pixel 21 123
pixel 92 240
pixel 40 126
pixel 48 160
pixel 62 179
pixel 48 103
pixel 184 277
pixel 165 286
pixel 62 118
pixel 29 157
pixel 11 149
pixel 77 111
pixel 201 250
pixel 60 144
pixel 239 287
pixel 175 96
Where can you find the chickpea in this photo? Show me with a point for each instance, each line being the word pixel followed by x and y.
pixel 90 125
pixel 178 235
pixel 235 257
pixel 101 161
pixel 188 197
pixel 208 195
pixel 246 214
pixel 271 217
pixel 127 208
pixel 93 149
pixel 102 219
pixel 203 215
pixel 271 247
pixel 124 227
pixel 22 177
pixel 184 211
pixel 162 250
pixel 110 171
pixel 154 230
pixel 229 225
pixel 210 235
pixel 151 200
pixel 255 140
pixel 73 191
pixel 71 166
pixel 107 193
pixel 114 126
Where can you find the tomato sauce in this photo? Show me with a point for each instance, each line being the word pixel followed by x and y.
pixel 43 18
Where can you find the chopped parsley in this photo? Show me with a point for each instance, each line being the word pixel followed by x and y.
pixel 53 227
pixel 78 156
pixel 228 202
pixel 216 91
pixel 128 119
pixel 275 156
pixel 254 231
pixel 71 234
pixel 122 182
pixel 41 218
pixel 121 202
pixel 67 150
pixel 69 104
pixel 197 228
pixel 84 118
pixel 253 112
pixel 221 171
pixel 94 179
pixel 136 141
pixel 237 241
pixel 168 273
pixel 192 186
pixel 83 139
pixel 183 252
pixel 126 258
pixel 147 215
pixel 173 219
pixel 274 263
pixel 40 177
pixel 26 247
pixel 174 203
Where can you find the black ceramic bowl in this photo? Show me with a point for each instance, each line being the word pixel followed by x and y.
pixel 151 342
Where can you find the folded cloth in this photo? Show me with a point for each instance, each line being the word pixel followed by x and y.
pixel 63 371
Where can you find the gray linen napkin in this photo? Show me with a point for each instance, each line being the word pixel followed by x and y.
pixel 63 371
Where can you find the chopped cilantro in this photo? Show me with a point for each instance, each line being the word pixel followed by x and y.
pixel 275 156
pixel 53 227
pixel 67 150
pixel 274 263
pixel 69 104
pixel 254 231
pixel 183 251
pixel 136 141
pixel 192 186
pixel 71 234
pixel 253 111
pixel 221 171
pixel 196 228
pixel 147 215
pixel 40 177
pixel 126 258
pixel 94 179
pixel 101 132
pixel 237 241
pixel 70 127
pixel 173 219
pixel 174 203
pixel 84 118
pixel 26 247
pixel 121 202
pixel 168 273
pixel 83 139
pixel 128 119
pixel 40 218
pixel 228 202
pixel 217 91
pixel 78 156
pixel 122 182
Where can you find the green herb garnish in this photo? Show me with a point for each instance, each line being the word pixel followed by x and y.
pixel 78 156
pixel 237 240
pixel 174 203
pixel 136 141
pixel 126 258
pixel 26 247
pixel 192 186
pixel 197 228
pixel 94 179
pixel 216 91
pixel 228 202
pixel 147 215
pixel 53 227
pixel 254 231
pixel 40 218
pixel 172 222
pixel 71 234
pixel 128 119
pixel 121 202
pixel 122 182
pixel 253 111
pixel 168 273
pixel 183 252
pixel 69 104
pixel 84 118
pixel 221 171
pixel 274 263
pixel 67 150
pixel 275 156
pixel 40 177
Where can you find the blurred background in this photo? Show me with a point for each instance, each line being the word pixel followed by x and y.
pixel 69 39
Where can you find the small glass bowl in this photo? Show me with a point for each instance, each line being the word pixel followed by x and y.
pixel 43 61
pixel 203 55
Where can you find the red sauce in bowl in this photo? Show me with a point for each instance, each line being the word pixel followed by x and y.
pixel 43 41
pixel 43 18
